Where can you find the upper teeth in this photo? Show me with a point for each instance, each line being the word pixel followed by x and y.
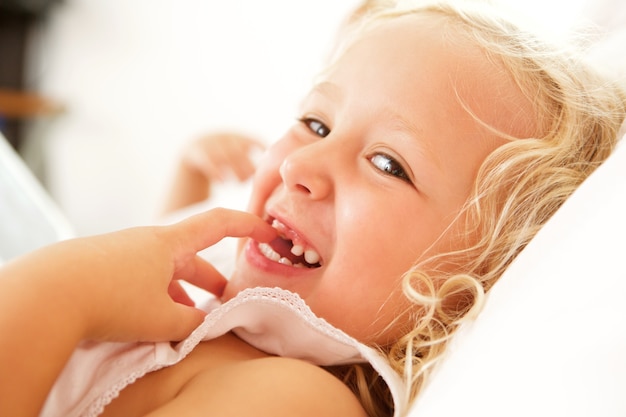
pixel 311 256
pixel 297 250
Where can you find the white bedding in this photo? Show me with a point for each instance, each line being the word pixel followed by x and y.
pixel 551 340
pixel 28 216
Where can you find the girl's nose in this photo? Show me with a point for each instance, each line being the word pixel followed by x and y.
pixel 306 171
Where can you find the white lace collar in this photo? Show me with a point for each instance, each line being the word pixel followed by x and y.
pixel 279 322
pixel 271 319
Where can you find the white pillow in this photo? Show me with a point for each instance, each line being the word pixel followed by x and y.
pixel 551 340
pixel 29 218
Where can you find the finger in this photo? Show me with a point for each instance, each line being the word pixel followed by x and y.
pixel 203 275
pixel 179 295
pixel 253 143
pixel 243 167
pixel 208 157
pixel 242 145
pixel 205 229
pixel 224 153
pixel 178 322
pixel 213 162
pixel 236 156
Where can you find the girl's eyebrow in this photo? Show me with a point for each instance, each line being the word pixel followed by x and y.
pixel 425 162
pixel 329 90
pixel 325 90
pixel 416 133
pixel 401 123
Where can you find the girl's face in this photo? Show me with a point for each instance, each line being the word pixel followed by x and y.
pixel 373 174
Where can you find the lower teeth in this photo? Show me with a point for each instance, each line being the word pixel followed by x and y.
pixel 285 261
pixel 268 252
pixel 272 255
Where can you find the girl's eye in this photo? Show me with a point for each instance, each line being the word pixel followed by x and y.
pixel 316 127
pixel 389 165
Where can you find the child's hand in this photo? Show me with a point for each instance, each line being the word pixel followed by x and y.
pixel 148 264
pixel 120 286
pixel 211 159
pixel 113 287
pixel 218 156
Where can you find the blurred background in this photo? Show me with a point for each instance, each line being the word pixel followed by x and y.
pixel 111 90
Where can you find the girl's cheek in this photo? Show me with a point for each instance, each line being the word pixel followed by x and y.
pixel 276 154
pixel 268 172
pixel 266 178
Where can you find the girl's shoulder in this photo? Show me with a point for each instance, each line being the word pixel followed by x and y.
pixel 268 386
pixel 226 376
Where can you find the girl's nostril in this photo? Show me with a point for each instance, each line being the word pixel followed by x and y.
pixel 303 188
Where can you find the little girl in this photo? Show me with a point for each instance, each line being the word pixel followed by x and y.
pixel 424 159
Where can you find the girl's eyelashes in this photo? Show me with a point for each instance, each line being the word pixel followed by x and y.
pixel 390 166
pixel 315 126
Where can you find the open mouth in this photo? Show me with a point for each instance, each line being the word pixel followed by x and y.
pixel 289 249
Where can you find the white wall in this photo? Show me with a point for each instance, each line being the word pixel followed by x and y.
pixel 142 77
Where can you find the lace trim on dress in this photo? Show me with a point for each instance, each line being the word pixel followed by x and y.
pixel 276 321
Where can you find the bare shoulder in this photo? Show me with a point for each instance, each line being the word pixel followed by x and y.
pixel 269 386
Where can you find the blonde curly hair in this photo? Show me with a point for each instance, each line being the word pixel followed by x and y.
pixel 519 186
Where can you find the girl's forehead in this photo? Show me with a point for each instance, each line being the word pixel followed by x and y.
pixel 396 26
pixel 406 36
pixel 407 46
pixel 426 53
